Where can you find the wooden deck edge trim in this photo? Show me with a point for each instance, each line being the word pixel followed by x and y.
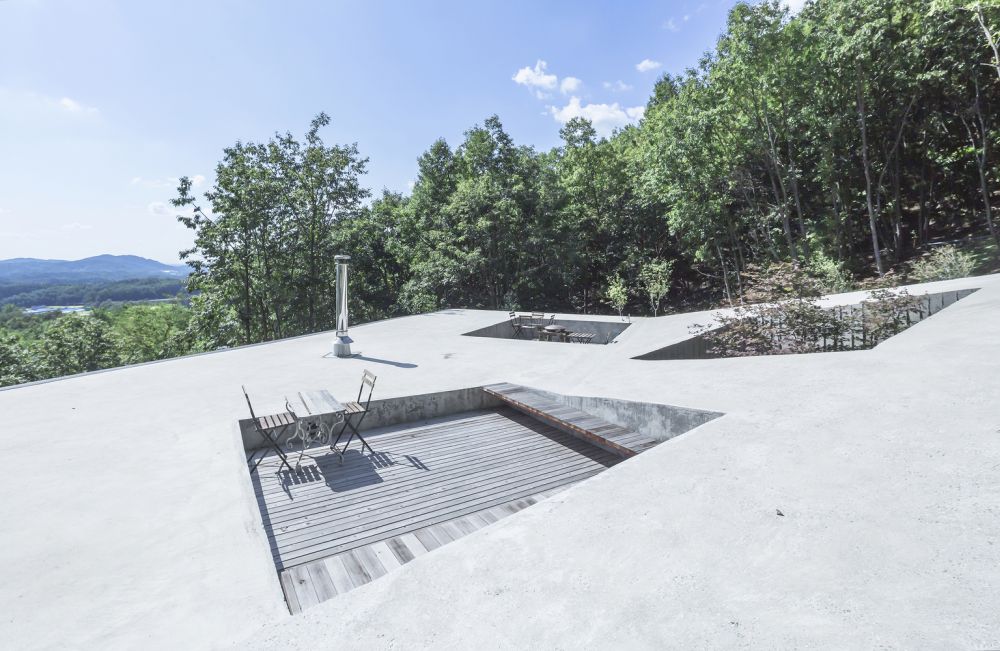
pixel 563 425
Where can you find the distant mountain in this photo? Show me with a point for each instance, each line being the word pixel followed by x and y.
pixel 97 268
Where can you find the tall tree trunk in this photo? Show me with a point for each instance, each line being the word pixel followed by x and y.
pixel 725 275
pixel 981 162
pixel 793 181
pixel 863 126
pixel 897 212
pixel 786 225
pixel 922 203
pixel 990 39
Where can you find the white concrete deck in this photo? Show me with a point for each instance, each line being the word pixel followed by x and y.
pixel 128 519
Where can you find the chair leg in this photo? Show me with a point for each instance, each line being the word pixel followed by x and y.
pixel 364 443
pixel 354 432
pixel 276 447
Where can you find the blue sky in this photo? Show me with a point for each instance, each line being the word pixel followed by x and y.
pixel 104 104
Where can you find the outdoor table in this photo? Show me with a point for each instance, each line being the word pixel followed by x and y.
pixel 316 413
pixel 557 331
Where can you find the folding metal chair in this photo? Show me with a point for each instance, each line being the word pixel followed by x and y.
pixel 516 324
pixel 356 409
pixel 267 426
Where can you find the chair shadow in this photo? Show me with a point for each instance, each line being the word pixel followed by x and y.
pixel 357 471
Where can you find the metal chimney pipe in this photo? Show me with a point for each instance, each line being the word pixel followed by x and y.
pixel 342 345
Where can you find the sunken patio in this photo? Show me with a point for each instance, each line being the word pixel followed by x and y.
pixel 334 524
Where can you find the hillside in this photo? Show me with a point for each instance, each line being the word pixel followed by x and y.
pixel 100 268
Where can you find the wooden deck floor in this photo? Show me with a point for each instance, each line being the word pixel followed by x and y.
pixel 423 485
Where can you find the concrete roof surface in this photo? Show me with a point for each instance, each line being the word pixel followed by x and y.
pixel 129 520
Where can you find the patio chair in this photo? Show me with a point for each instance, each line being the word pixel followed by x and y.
pixel 516 324
pixel 271 428
pixel 357 410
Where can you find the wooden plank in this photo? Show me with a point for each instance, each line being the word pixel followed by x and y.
pixel 291 497
pixel 338 574
pixel 413 544
pixel 396 523
pixel 339 479
pixel 331 523
pixel 355 569
pixel 503 473
pixel 427 539
pixel 306 500
pixel 302 585
pixel 373 561
pixel 338 506
pixel 321 549
pixel 356 465
pixel 400 550
pixel 385 556
pixel 321 581
pixel 373 566
pixel 288 587
pixel 443 535
pixel 442 439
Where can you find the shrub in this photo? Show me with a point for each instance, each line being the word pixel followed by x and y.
pixel 791 320
pixel 945 263
pixel 830 274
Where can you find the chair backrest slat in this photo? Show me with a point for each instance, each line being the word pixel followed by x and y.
pixel 367 379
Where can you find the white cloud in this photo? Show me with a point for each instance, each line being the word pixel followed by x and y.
pixel 29 106
pixel 618 86
pixel 77 226
pixel 687 17
pixel 570 85
pixel 605 117
pixel 636 112
pixel 647 64
pixel 410 185
pixel 671 25
pixel 794 6
pixel 160 209
pixel 536 77
pixel 73 106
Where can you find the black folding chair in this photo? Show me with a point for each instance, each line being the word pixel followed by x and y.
pixel 516 324
pixel 357 410
pixel 271 428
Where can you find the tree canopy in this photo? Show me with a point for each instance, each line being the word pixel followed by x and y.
pixel 842 141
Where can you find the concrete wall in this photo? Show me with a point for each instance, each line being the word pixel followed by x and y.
pixel 393 411
pixel 603 331
pixel 657 421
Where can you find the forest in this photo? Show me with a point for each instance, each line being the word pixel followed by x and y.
pixel 26 294
pixel 850 141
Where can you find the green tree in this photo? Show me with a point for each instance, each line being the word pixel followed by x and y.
pixel 617 294
pixel 77 343
pixel 16 365
pixel 655 279
pixel 267 249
